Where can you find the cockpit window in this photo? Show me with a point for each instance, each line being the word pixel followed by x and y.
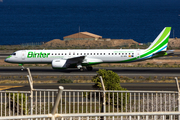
pixel 13 54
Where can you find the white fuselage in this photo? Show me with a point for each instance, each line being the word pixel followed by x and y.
pixel 91 55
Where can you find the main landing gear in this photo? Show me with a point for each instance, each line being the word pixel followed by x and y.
pixel 81 68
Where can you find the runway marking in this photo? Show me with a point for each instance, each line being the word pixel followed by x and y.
pixel 8 87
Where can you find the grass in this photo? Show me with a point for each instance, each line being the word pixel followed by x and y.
pixel 148 65
pixel 22 82
pixel 123 79
pixel 84 79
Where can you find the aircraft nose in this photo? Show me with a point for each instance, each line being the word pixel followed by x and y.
pixel 6 60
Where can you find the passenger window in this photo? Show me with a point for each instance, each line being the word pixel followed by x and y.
pixel 97 53
pixel 112 53
pixel 58 53
pixel 122 53
pixel 52 54
pixel 65 53
pixel 100 53
pixel 94 53
pixel 91 53
pixel 55 53
pixel 119 53
pixel 115 53
pixel 87 53
pixel 84 53
pixel 109 53
pixel 62 53
pixel 77 54
pixel 104 54
pixel 73 53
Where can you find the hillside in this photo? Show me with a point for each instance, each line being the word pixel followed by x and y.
pixel 89 43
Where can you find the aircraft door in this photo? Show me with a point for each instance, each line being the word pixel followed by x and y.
pixel 23 54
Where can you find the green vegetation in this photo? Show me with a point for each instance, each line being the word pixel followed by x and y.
pixel 63 80
pixel 6 79
pixel 140 65
pixel 111 82
pixel 18 101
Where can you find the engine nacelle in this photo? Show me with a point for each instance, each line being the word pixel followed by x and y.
pixel 59 64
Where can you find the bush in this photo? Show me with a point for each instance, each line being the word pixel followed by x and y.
pixel 63 80
pixel 111 82
pixel 148 63
pixel 17 97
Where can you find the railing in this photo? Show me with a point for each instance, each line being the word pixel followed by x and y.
pixel 94 103
pixel 87 101
pixel 98 116
pixel 14 103
pixel 91 101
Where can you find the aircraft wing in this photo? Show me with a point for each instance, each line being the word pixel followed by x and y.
pixel 75 60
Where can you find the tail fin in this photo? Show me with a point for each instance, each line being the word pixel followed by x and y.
pixel 160 43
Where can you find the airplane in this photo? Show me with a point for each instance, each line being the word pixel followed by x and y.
pixel 81 58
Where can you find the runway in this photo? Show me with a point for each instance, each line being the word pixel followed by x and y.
pixel 75 72
pixel 89 86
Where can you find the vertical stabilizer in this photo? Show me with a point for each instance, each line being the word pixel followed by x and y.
pixel 161 42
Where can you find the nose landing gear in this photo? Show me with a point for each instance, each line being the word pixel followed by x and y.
pixel 22 67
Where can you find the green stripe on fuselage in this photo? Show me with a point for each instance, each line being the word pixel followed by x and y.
pixel 148 53
pixel 156 48
pixel 9 56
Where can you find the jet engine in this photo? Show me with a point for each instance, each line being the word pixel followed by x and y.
pixel 59 64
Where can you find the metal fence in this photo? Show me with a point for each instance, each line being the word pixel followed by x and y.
pixel 14 103
pixel 97 116
pixel 90 102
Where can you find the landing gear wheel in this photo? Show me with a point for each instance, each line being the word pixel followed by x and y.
pixel 81 69
pixel 22 68
pixel 89 68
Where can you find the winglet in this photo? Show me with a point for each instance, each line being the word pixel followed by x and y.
pixel 160 43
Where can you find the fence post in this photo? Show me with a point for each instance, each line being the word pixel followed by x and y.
pixel 104 96
pixel 177 84
pixel 58 98
pixel 31 87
